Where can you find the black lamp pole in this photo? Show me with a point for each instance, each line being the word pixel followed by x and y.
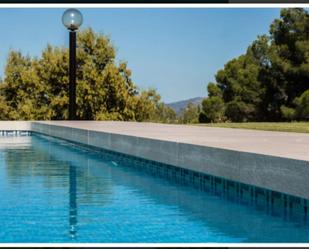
pixel 72 19
pixel 72 69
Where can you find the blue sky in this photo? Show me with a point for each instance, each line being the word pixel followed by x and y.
pixel 176 51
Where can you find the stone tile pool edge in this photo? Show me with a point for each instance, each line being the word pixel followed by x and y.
pixel 284 175
pixel 255 175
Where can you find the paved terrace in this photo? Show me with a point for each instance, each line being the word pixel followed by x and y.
pixel 282 144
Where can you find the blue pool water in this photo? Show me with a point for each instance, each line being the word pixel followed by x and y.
pixel 55 191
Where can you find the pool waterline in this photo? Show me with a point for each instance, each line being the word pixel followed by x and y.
pixel 150 194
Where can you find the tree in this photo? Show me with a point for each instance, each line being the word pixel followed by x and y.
pixel 264 83
pixel 189 114
pixel 238 111
pixel 166 114
pixel 37 88
pixel 287 74
pixel 4 109
pixel 241 87
pixel 302 106
pixel 288 113
pixel 213 90
pixel 202 118
pixel 21 89
pixel 150 108
pixel 213 108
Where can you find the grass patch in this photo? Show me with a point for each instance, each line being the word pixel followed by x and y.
pixel 302 127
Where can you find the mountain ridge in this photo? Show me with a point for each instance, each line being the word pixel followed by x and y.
pixel 177 106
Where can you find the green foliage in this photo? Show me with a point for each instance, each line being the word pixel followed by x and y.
pixel 302 106
pixel 189 114
pixel 213 108
pixel 287 74
pixel 165 114
pixel 264 83
pixel 17 88
pixel 241 88
pixel 269 82
pixel 287 113
pixel 214 90
pixel 149 108
pixel 202 118
pixel 4 109
pixel 266 126
pixel 238 111
pixel 37 88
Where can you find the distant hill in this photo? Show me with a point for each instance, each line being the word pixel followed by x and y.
pixel 177 106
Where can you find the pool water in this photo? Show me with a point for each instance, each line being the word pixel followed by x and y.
pixel 55 191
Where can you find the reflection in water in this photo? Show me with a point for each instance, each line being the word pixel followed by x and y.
pixel 32 162
pixel 73 203
pixel 117 202
pixel 34 158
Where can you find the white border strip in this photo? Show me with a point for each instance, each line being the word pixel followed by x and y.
pixel 164 6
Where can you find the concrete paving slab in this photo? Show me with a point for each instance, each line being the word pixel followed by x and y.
pixel 281 144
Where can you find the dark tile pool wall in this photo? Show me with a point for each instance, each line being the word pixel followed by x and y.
pixel 272 202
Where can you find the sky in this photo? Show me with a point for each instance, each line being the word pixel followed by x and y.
pixel 176 51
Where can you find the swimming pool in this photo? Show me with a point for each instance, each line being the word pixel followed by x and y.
pixel 55 191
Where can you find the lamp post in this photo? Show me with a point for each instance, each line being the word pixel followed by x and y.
pixel 72 19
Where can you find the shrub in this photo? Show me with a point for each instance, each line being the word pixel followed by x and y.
pixel 287 112
pixel 213 108
pixel 302 106
pixel 237 111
